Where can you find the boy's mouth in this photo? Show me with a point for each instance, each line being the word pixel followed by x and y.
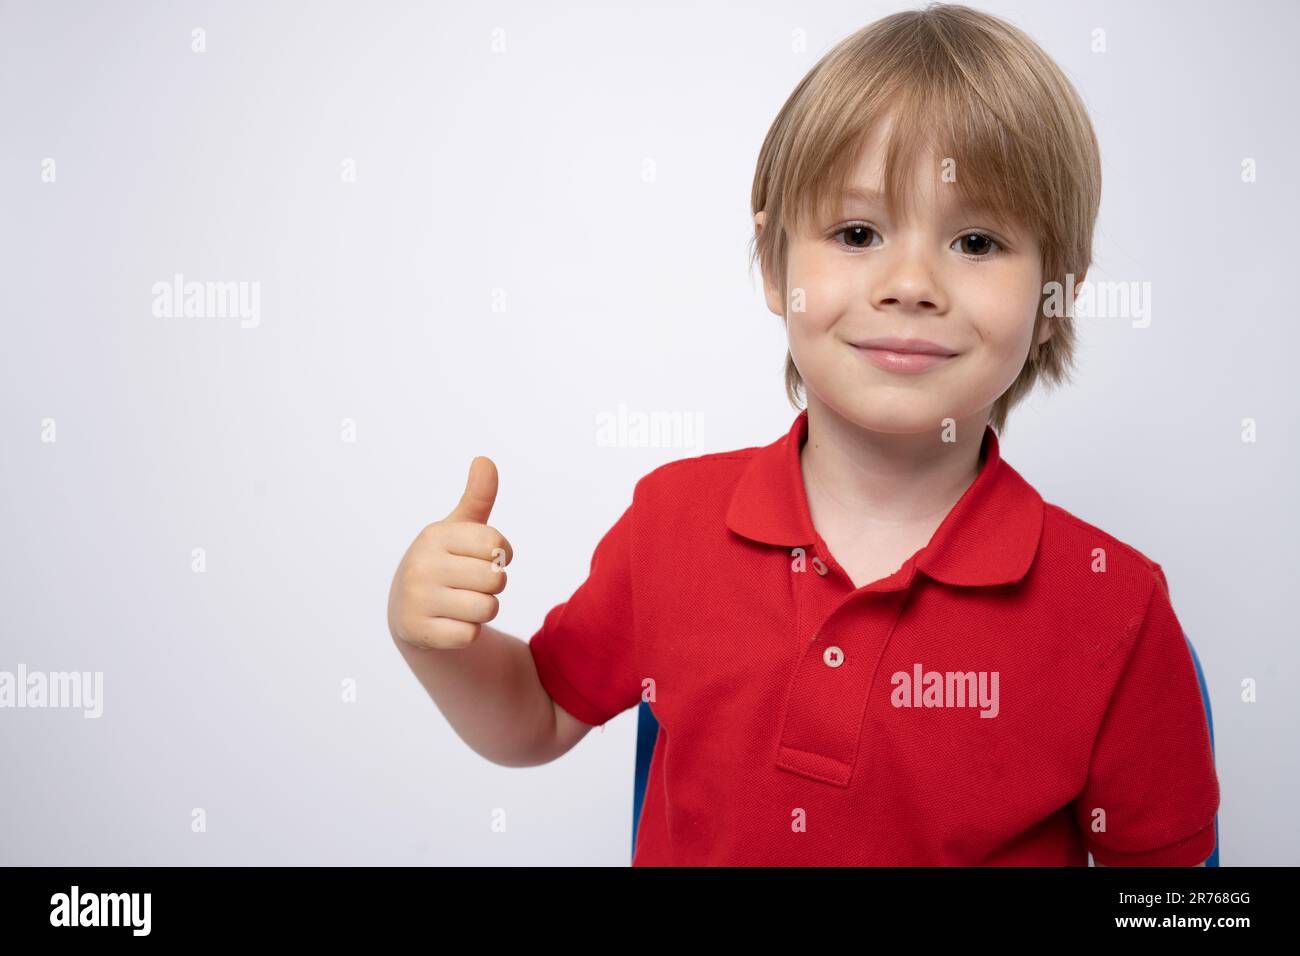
pixel 904 355
pixel 907 346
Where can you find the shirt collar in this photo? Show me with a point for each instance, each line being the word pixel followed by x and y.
pixel 989 537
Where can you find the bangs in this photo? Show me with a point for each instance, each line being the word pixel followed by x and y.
pixel 953 85
pixel 934 117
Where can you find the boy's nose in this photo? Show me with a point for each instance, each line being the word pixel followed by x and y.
pixel 907 281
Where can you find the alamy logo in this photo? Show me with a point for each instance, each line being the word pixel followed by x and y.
pixel 947 689
pixel 102 909
pixel 179 299
pixel 1099 299
pixel 627 428
pixel 61 689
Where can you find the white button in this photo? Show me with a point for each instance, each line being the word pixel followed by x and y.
pixel 819 565
pixel 833 656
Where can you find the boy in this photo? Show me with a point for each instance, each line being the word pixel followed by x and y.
pixel 870 642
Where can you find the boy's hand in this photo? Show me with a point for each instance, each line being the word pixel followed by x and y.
pixel 443 591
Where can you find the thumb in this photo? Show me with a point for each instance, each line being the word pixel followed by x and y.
pixel 480 492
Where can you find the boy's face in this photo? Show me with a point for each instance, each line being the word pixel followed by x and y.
pixel 964 281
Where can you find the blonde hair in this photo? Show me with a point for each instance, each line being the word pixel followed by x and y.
pixel 979 91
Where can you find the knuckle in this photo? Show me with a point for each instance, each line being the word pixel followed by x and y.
pixel 413 592
pixel 414 634
pixel 445 633
pixel 434 537
pixel 417 560
pixel 436 633
pixel 427 568
pixel 413 628
pixel 438 603
pixel 497 539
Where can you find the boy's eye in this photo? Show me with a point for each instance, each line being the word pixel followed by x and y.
pixel 857 236
pixel 981 245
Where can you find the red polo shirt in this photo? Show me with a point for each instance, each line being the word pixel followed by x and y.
pixel 1019 692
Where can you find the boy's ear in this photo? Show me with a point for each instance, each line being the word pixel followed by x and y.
pixel 770 292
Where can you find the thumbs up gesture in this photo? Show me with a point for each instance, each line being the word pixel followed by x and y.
pixel 445 587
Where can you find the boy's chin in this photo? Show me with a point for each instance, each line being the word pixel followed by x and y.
pixel 887 412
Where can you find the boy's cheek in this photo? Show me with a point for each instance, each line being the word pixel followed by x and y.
pixel 811 328
pixel 995 366
pixel 1003 335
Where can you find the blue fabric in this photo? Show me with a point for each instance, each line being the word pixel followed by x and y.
pixel 647 731
pixel 1213 859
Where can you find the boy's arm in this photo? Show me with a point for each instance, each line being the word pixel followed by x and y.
pixel 491 695
pixel 568 730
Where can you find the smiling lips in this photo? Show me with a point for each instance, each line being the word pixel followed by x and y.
pixel 903 355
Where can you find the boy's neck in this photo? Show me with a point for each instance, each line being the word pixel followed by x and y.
pixel 866 478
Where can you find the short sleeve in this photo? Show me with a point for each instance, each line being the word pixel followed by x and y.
pixel 1152 768
pixel 585 649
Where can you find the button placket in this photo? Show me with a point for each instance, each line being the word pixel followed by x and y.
pixel 827 701
pixel 813 598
